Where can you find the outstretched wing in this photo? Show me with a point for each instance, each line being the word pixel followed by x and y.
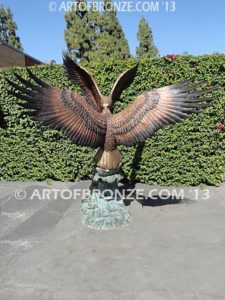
pixel 85 80
pixel 154 109
pixel 63 110
pixel 123 82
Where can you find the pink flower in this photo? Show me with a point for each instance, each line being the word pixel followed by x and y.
pixel 220 126
pixel 171 55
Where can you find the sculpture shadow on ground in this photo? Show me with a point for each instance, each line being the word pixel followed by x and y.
pixel 154 201
pixel 2 120
pixel 137 161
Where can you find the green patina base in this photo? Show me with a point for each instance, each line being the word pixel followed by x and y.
pixel 104 208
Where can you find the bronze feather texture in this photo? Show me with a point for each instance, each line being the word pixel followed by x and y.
pixel 87 119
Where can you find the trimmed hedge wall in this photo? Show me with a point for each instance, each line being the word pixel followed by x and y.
pixel 190 153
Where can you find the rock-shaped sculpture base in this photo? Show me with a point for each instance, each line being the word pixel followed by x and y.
pixel 104 208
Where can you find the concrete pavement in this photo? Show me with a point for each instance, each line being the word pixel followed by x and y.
pixel 174 248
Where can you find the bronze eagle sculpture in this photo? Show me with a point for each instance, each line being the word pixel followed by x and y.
pixel 87 119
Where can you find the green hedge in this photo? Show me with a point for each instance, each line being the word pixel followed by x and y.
pixel 190 153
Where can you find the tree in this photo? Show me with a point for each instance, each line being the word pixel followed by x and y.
pixel 8 29
pixel 80 31
pixel 95 36
pixel 111 38
pixel 146 46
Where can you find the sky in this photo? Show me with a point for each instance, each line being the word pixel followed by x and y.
pixel 193 26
